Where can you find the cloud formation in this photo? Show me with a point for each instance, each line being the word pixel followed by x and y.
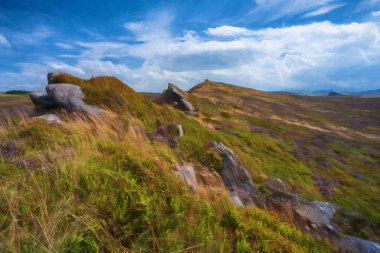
pixel 323 10
pixel 376 13
pixel 227 31
pixel 311 56
pixel 270 10
pixel 4 41
pixel 319 55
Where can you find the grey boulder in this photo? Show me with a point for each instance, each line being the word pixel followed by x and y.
pixel 179 98
pixel 235 199
pixel 168 134
pixel 186 172
pixel 50 118
pixel 70 97
pixel 237 179
pixel 277 185
pixel 317 212
pixel 356 245
pixel 186 105
pixel 180 130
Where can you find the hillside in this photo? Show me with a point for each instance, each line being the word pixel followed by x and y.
pixel 108 183
pixel 328 147
pixel 11 105
pixel 367 93
pixel 364 93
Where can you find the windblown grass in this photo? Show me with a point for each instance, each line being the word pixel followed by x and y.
pixel 100 185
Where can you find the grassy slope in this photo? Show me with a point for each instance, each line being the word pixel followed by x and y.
pixel 14 104
pixel 101 185
pixel 303 139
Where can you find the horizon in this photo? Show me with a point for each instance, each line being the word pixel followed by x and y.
pixel 269 45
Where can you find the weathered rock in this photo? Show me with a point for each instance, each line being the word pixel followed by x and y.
pixel 315 217
pixel 280 190
pixel 237 179
pixel 42 99
pixel 235 199
pixel 186 172
pixel 178 98
pixel 276 185
pixel 50 118
pixel 317 212
pixel 51 77
pixel 66 95
pixel 186 105
pixel 331 229
pixel 352 244
pixel 168 134
pixel 180 130
pixel 70 97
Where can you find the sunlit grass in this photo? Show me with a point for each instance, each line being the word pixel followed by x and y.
pixel 101 185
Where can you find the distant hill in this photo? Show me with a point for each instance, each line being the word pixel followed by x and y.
pixel 367 93
pixel 334 94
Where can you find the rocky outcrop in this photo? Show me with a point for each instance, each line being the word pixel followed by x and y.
pixel 70 97
pixel 168 134
pixel 352 244
pixel 317 212
pixel 50 118
pixel 315 217
pixel 63 95
pixel 237 179
pixel 309 213
pixel 186 172
pixel 277 185
pixel 178 98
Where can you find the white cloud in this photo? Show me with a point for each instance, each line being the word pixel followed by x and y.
pixel 63 45
pixel 376 13
pixel 270 10
pixel 32 76
pixel 4 41
pixel 323 10
pixel 291 57
pixel 158 28
pixel 35 36
pixel 315 56
pixel 227 31
pixel 29 77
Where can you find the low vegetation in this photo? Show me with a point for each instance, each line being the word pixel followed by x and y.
pixel 101 185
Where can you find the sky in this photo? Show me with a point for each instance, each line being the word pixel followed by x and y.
pixel 263 44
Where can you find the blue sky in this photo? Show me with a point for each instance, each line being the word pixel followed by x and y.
pixel 262 44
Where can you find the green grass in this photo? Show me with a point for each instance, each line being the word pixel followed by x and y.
pixel 92 189
pixel 102 186
pixel 250 122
